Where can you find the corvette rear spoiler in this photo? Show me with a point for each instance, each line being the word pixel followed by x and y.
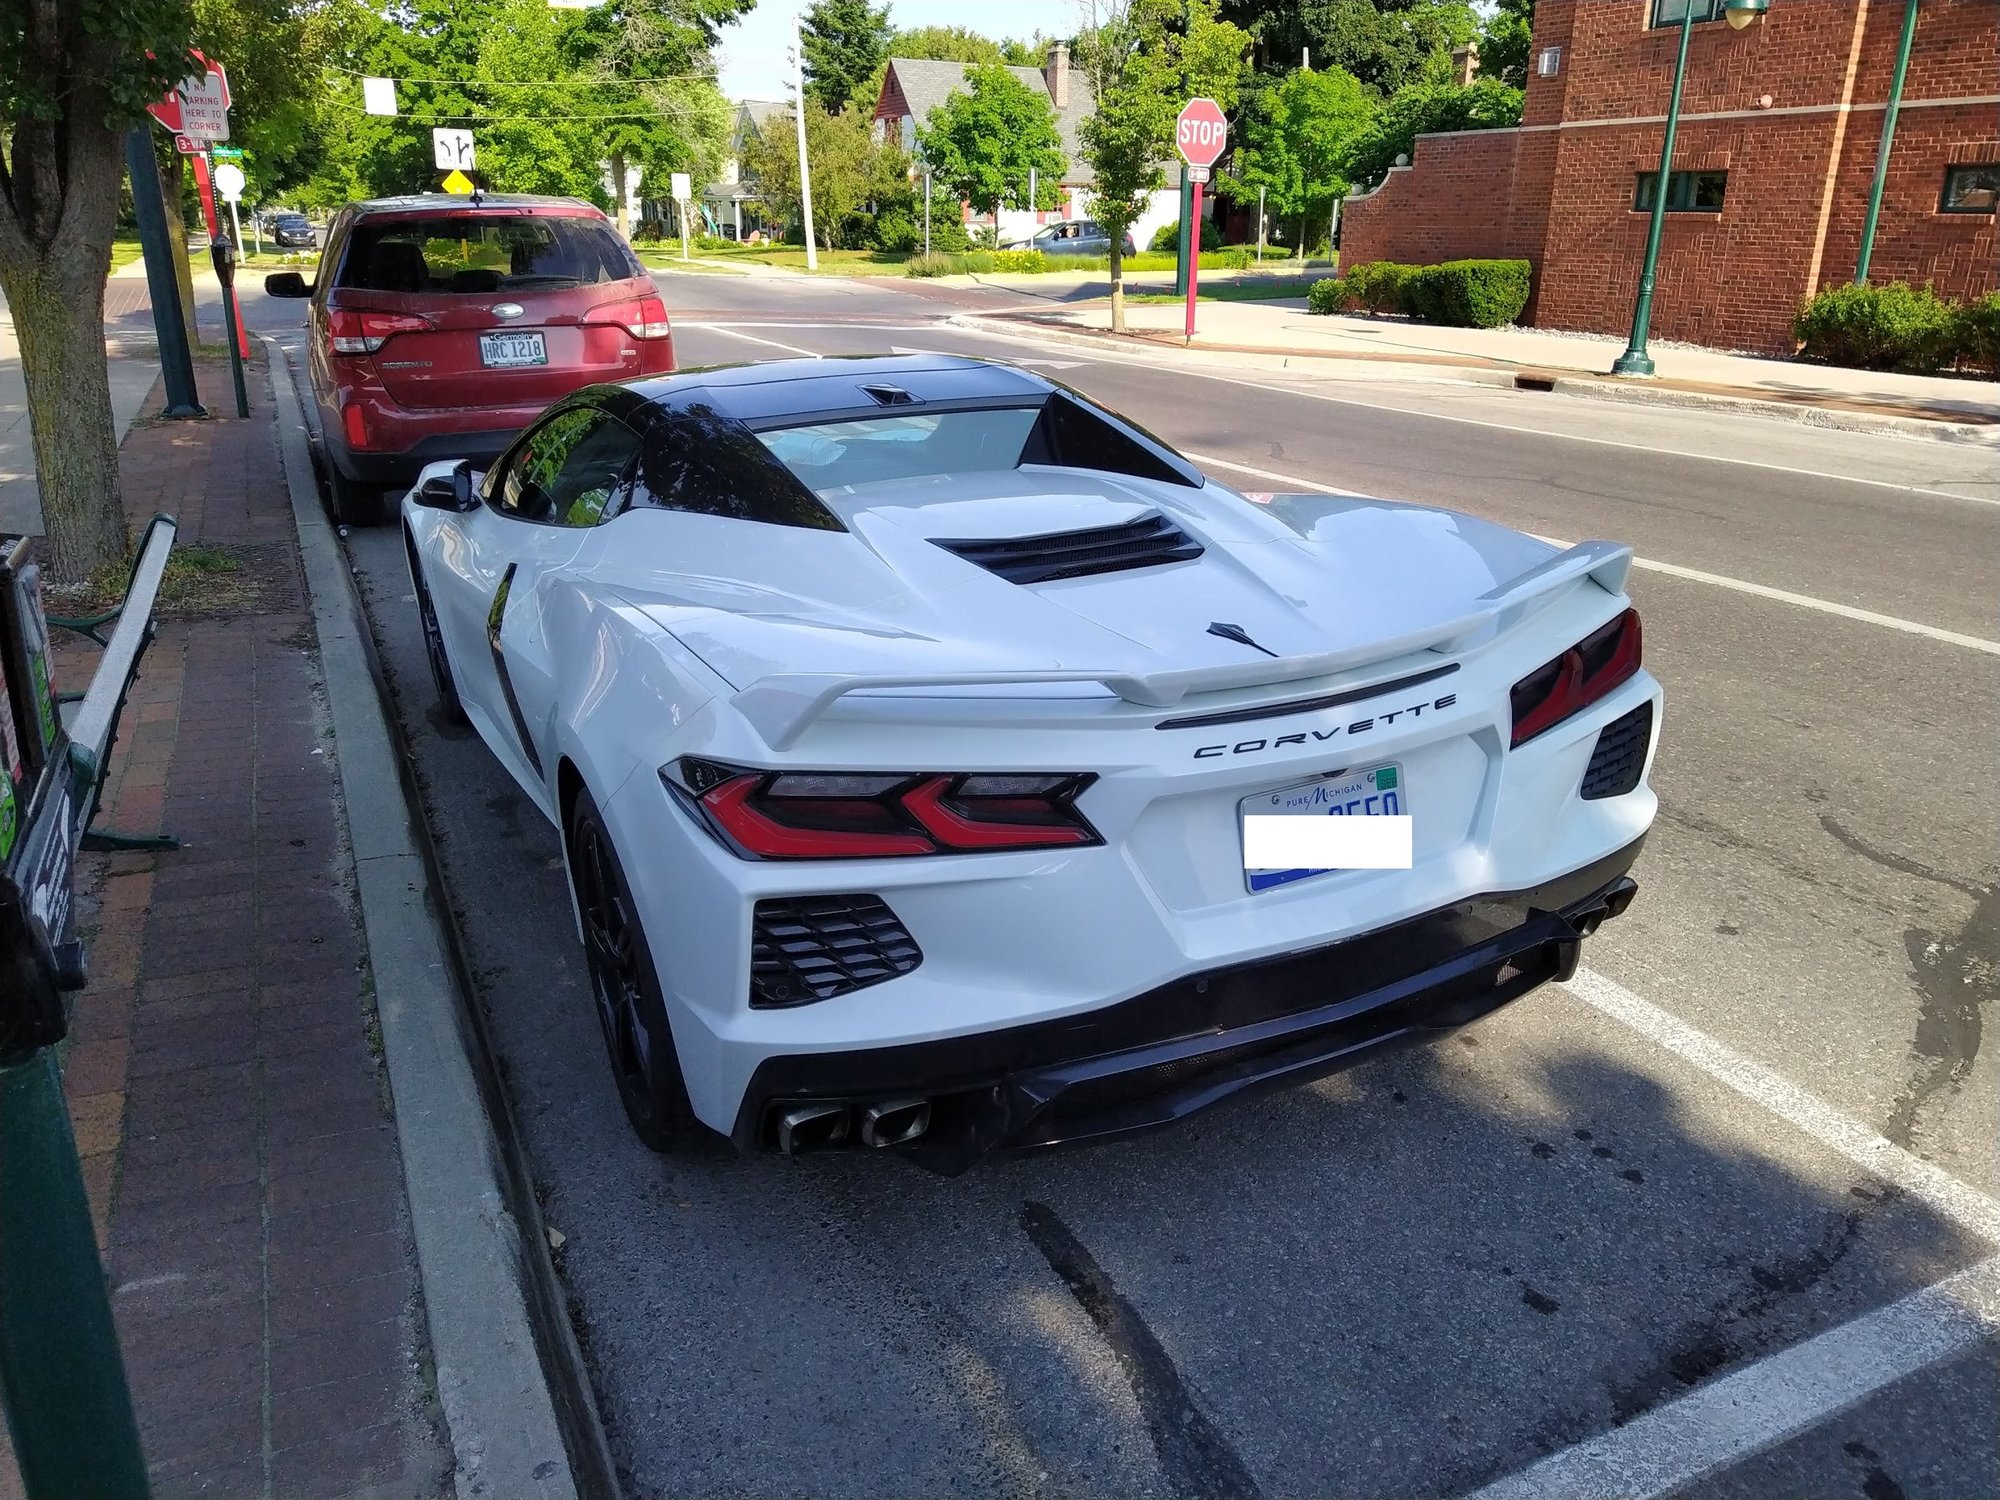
pixel 781 706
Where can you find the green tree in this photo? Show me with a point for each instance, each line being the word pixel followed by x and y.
pixel 1423 109
pixel 947 44
pixel 982 142
pixel 849 172
pixel 1295 138
pixel 1385 43
pixel 1144 59
pixel 74 76
pixel 846 42
pixel 1504 38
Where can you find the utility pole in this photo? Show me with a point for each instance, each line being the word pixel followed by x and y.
pixel 799 106
pixel 1867 255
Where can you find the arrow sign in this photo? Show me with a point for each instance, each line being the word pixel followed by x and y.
pixel 452 149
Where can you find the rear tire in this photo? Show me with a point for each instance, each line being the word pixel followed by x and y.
pixel 631 1011
pixel 353 503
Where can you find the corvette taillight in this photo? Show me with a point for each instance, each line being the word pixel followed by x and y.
pixel 365 332
pixel 842 815
pixel 1576 679
pixel 643 317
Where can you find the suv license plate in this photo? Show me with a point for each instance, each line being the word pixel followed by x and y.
pixel 502 351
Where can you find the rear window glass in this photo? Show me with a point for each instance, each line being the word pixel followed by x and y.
pixel 835 455
pixel 480 254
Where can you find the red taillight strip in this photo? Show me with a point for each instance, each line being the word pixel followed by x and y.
pixel 764 836
pixel 1576 687
pixel 953 829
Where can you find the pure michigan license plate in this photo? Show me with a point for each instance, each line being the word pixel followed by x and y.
pixel 506 351
pixel 1375 792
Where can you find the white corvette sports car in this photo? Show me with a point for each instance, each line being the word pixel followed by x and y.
pixel 902 717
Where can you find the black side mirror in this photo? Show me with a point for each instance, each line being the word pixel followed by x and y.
pixel 451 491
pixel 287 284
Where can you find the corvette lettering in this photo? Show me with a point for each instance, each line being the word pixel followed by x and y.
pixel 1359 726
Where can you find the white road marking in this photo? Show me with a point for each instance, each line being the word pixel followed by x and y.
pixel 752 338
pixel 723 326
pixel 1765 1403
pixel 1936 1189
pixel 1516 427
pixel 1694 575
pixel 1051 364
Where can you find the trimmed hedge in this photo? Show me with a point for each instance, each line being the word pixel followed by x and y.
pixel 1979 335
pixel 1457 294
pixel 1168 236
pixel 1893 327
pixel 1328 295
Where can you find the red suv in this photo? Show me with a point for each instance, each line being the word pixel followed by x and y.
pixel 440 326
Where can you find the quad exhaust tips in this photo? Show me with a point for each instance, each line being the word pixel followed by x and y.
pixel 824 1127
pixel 896 1121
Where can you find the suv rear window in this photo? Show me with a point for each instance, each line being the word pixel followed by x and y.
pixel 480 254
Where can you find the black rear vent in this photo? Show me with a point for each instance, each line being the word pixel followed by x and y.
pixel 1620 755
pixel 1145 543
pixel 807 948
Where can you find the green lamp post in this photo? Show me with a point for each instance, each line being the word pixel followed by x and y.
pixel 1635 360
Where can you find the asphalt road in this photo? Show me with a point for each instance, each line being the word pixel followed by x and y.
pixel 1423 1274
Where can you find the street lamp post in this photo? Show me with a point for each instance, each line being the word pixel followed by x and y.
pixel 1635 360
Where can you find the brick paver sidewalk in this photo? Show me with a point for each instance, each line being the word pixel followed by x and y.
pixel 224 1071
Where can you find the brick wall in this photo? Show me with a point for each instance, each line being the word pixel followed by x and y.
pixel 1561 195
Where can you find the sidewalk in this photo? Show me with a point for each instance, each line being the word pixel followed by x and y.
pixel 223 1070
pixel 1369 348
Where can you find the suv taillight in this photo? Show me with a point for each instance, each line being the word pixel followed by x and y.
pixel 365 332
pixel 845 815
pixel 642 317
pixel 1578 678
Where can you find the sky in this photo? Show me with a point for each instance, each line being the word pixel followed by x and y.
pixel 753 54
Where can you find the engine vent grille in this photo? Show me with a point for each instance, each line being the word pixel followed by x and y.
pixel 1620 755
pixel 808 948
pixel 1145 543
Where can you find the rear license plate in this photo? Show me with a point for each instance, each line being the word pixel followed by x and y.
pixel 502 351
pixel 1376 792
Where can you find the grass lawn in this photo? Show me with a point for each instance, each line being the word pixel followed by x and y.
pixel 124 251
pixel 791 257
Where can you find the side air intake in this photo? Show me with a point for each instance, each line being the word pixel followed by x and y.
pixel 1148 542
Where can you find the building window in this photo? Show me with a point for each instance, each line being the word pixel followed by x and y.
pixel 1550 62
pixel 1687 192
pixel 1973 189
pixel 1669 12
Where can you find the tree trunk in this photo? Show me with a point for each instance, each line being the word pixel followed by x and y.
pixel 1117 280
pixel 624 216
pixel 58 307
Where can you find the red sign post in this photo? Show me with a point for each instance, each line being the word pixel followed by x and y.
pixel 1200 133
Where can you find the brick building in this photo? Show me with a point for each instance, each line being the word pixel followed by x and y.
pixel 1780 127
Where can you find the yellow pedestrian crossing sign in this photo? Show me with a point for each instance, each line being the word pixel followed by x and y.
pixel 457 182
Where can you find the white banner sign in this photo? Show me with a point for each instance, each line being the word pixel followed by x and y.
pixel 378 95
pixel 683 187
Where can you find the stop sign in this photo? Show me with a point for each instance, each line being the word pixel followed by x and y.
pixel 1200 132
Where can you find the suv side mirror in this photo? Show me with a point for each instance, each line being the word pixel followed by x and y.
pixel 287 284
pixel 451 491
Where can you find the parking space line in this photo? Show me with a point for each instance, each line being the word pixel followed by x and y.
pixel 1693 575
pixel 1931 1186
pixel 1765 1403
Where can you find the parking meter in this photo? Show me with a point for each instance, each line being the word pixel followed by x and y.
pixel 222 250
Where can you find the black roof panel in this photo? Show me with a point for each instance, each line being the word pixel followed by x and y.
pixel 805 387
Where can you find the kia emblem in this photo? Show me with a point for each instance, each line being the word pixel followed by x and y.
pixel 508 310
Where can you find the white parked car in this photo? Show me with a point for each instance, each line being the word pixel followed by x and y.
pixel 902 718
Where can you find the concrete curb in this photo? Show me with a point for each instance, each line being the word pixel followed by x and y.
pixel 1564 383
pixel 487 1282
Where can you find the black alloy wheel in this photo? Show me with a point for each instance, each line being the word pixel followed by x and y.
pixel 447 689
pixel 630 1008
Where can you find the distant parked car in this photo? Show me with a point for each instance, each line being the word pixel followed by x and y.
pixel 441 326
pixel 1071 237
pixel 293 231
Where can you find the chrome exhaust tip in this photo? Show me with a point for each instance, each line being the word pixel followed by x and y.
pixel 813 1127
pixel 895 1121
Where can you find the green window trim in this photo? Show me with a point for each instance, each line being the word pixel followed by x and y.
pixel 1687 192
pixel 1971 187
pixel 1669 12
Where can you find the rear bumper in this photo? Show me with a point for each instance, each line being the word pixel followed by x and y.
pixel 1160 1056
pixel 481 445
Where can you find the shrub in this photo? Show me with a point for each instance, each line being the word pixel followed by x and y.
pixel 1327 295
pixel 648 232
pixel 982 237
pixel 1893 327
pixel 1168 237
pixel 1378 286
pixel 978 261
pixel 1235 259
pixel 895 231
pixel 932 265
pixel 1022 261
pixel 948 236
pixel 1979 334
pixel 1468 293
